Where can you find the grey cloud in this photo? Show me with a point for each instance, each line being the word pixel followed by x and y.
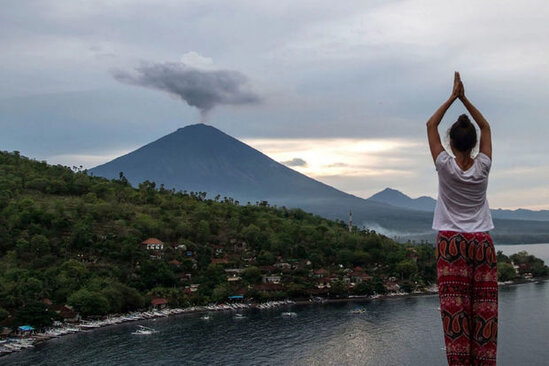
pixel 203 89
pixel 295 162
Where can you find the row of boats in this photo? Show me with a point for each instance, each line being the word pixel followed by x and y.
pixel 17 344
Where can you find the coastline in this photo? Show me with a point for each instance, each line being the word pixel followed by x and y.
pixel 20 344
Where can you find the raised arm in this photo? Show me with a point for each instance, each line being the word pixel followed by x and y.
pixel 432 124
pixel 485 145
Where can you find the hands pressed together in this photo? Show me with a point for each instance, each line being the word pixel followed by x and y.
pixel 458 91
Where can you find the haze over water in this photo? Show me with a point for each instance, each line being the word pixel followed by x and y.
pixel 399 331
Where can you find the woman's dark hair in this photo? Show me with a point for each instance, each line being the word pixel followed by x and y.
pixel 463 134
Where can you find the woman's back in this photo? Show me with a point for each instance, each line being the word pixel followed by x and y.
pixel 462 205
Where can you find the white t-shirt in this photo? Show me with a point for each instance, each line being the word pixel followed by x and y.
pixel 462 204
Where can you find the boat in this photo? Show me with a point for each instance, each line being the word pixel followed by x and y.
pixel 289 314
pixel 358 311
pixel 239 316
pixel 143 330
pixel 205 317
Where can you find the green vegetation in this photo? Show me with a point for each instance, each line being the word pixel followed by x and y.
pixel 76 240
pixel 520 265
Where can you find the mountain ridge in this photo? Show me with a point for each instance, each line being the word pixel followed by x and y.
pixel 425 203
pixel 201 158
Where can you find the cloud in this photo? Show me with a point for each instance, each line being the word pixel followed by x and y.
pixel 295 162
pixel 200 88
pixel 196 60
pixel 337 165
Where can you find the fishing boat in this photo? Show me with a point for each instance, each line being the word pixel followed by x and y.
pixel 358 311
pixel 143 330
pixel 288 314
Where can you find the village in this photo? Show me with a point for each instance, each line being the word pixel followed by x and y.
pixel 250 283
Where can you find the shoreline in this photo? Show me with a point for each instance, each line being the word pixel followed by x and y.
pixel 15 345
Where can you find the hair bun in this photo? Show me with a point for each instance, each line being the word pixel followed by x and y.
pixel 463 120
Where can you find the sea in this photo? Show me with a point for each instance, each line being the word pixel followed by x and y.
pixel 393 331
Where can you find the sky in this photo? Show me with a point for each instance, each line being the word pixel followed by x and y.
pixel 338 91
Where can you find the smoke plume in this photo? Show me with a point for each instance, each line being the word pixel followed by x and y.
pixel 203 89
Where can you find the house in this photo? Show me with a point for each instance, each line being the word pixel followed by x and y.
pixel 218 250
pixel 153 244
pixel 234 271
pixel 392 286
pixel 271 279
pixel 185 276
pixel 233 274
pixel 236 297
pixel 175 262
pixel 194 287
pixel 181 247
pixel 322 283
pixel 357 275
pixel 320 273
pixel 5 333
pixel 25 331
pixel 283 265
pixel 159 303
pixel 67 312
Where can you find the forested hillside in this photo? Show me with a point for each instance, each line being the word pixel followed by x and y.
pixel 68 238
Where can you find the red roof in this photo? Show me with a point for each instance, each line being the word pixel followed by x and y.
pixel 174 261
pixel 152 241
pixel 159 301
pixel 219 260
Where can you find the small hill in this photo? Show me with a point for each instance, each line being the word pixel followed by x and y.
pixel 424 203
pixel 399 199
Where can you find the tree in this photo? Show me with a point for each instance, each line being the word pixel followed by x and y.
pixel 89 303
pixel 364 288
pixel 3 314
pixel 506 272
pixel 252 275
pixel 338 288
pixel 36 314
pixel 406 268
pixel 266 258
pixel 221 293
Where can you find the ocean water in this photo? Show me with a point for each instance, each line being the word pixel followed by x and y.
pixel 396 331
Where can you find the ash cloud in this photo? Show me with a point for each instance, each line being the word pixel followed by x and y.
pixel 200 88
pixel 295 162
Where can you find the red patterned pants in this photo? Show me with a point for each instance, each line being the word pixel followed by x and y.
pixel 468 292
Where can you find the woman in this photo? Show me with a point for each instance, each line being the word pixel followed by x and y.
pixel 466 259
